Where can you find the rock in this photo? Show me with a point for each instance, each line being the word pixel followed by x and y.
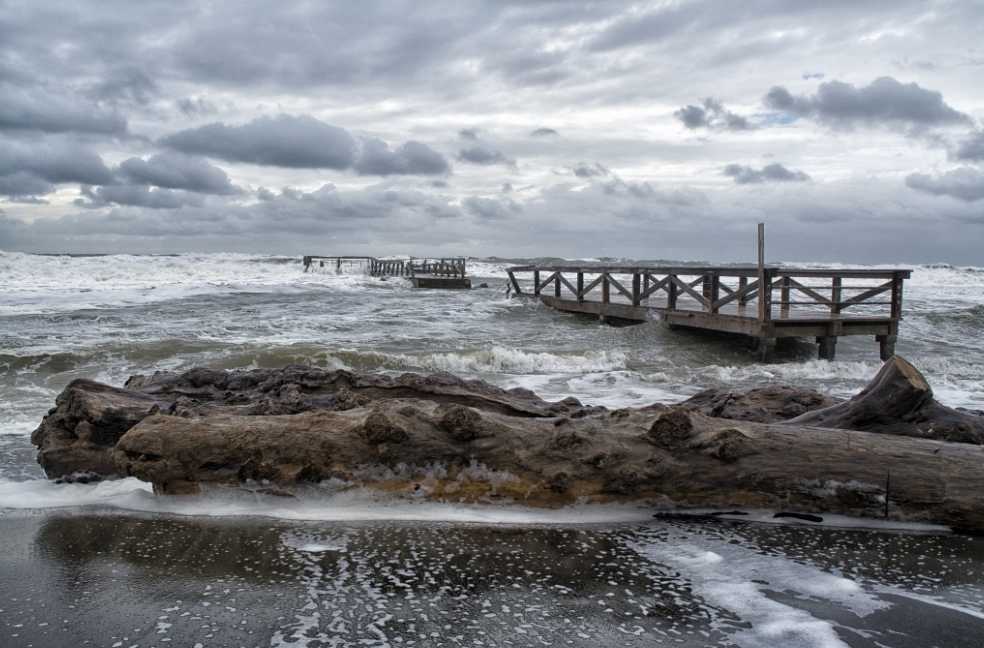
pixel 770 404
pixel 899 401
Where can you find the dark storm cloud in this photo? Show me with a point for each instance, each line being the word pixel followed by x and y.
pixel 963 183
pixel 883 102
pixel 583 170
pixel 125 86
pixel 971 148
pixel 544 132
pixel 194 106
pixel 299 142
pixel 774 172
pixel 492 208
pixel 411 158
pixel 303 142
pixel 468 134
pixel 33 167
pixel 137 196
pixel 177 171
pixel 483 154
pixel 36 109
pixel 711 114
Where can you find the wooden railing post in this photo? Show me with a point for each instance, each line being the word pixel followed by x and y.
pixel 580 286
pixel 715 292
pixel 765 295
pixel 636 289
pixel 784 297
pixel 536 283
pixel 896 296
pixel 742 297
pixel 605 296
pixel 835 296
pixel 557 284
pixel 671 296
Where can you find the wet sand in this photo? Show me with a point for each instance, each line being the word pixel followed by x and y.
pixel 74 578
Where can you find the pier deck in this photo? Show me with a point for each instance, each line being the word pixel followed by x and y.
pixel 812 303
pixel 444 273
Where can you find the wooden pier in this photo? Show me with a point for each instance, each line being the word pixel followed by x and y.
pixel 445 273
pixel 812 303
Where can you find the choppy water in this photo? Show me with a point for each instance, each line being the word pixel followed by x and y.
pixel 109 317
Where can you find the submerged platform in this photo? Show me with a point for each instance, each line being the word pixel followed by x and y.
pixel 449 273
pixel 813 303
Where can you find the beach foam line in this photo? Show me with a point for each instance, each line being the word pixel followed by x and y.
pixel 132 495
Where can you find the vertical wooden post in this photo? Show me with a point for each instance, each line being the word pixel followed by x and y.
pixel 835 296
pixel 784 297
pixel 896 296
pixel 604 288
pixel 580 286
pixel 636 289
pixel 742 298
pixel 671 296
pixel 715 292
pixel 557 284
pixel 536 283
pixel 765 281
pixel 706 289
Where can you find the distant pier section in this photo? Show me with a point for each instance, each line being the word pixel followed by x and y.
pixel 812 303
pixel 443 273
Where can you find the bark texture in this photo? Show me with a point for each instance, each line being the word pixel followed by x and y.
pixel 899 401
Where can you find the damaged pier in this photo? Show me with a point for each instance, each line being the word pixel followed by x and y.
pixel 444 273
pixel 823 304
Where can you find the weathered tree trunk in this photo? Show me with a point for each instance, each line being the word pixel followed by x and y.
pixel 677 457
pixel 899 401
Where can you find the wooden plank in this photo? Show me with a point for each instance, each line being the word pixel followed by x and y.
pixel 743 294
pixel 868 294
pixel 515 284
pixel 567 283
pixel 808 291
pixel 662 284
pixel 591 286
pixel 619 287
pixel 687 288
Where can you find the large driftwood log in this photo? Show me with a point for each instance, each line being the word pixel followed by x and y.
pixel 771 404
pixel 77 436
pixel 674 457
pixel 466 440
pixel 900 401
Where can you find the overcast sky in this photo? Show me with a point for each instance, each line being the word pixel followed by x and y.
pixel 852 128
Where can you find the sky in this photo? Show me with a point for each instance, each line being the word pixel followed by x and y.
pixel 853 129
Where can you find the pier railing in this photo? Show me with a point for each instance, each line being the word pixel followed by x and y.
pixel 721 289
pixel 765 302
pixel 449 267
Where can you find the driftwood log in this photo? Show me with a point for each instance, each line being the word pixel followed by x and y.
pixel 900 401
pixel 468 441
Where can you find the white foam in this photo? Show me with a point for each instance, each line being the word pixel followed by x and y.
pixel 737 579
pixel 348 505
pixel 501 359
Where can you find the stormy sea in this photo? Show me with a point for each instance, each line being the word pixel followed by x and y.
pixel 111 564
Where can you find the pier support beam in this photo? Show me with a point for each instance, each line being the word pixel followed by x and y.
pixel 828 347
pixel 766 348
pixel 886 346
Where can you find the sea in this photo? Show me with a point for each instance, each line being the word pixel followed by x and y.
pixel 110 564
